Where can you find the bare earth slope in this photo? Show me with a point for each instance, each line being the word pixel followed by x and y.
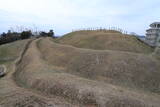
pixel 47 74
pixel 108 40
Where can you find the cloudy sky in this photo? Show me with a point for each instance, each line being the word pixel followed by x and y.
pixel 65 15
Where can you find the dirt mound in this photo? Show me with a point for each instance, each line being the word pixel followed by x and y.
pixel 11 95
pixel 120 68
pixel 89 77
pixel 105 40
pixel 50 74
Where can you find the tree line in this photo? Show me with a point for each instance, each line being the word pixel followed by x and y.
pixel 11 36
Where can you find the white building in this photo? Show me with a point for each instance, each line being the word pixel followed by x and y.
pixel 153 34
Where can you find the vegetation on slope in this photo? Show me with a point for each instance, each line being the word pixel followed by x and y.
pixel 86 77
pixel 11 51
pixel 121 68
pixel 108 40
pixel 157 53
pixel 63 70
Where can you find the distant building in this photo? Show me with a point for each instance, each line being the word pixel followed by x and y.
pixel 153 34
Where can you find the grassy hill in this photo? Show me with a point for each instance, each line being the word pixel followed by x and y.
pixel 105 40
pixel 91 77
pixel 9 52
pixel 121 68
pixel 81 69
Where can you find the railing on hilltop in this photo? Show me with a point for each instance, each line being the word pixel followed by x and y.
pixel 101 29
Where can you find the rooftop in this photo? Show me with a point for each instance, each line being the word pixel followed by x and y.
pixel 155 24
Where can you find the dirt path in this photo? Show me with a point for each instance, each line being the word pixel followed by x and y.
pixel 12 95
pixel 31 84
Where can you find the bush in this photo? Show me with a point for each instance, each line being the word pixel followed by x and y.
pixel 49 34
pixel 26 34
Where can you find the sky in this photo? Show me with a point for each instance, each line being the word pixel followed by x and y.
pixel 63 16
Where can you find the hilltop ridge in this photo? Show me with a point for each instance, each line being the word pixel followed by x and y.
pixel 80 69
pixel 105 40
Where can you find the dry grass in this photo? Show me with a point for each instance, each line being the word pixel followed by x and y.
pixel 11 51
pixel 156 53
pixel 12 95
pixel 50 74
pixel 77 75
pixel 104 41
pixel 120 68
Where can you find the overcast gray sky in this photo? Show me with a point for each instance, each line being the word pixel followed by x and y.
pixel 65 15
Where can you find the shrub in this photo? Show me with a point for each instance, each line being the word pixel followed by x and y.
pixel 26 34
pixel 51 33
